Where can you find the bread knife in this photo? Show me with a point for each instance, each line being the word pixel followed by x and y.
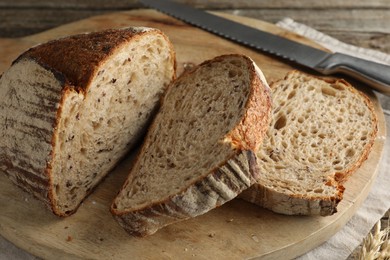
pixel 375 75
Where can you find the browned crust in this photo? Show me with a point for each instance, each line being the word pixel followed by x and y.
pixel 249 133
pixel 296 204
pixel 342 177
pixel 79 56
pixel 182 206
pixel 74 62
pixel 244 139
pixel 40 189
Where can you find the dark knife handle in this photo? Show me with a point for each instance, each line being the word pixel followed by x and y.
pixel 374 74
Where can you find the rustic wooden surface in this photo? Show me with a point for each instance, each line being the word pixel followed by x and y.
pixel 360 22
pixel 236 230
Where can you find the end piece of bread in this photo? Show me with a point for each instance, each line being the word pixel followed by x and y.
pixel 321 132
pixel 72 108
pixel 199 151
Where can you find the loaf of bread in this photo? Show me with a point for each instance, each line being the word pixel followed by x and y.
pixel 321 132
pixel 199 151
pixel 72 108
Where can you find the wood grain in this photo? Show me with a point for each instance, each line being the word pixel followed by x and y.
pixel 362 23
pixel 237 230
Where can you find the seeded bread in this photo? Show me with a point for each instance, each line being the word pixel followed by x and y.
pixel 321 132
pixel 73 107
pixel 198 153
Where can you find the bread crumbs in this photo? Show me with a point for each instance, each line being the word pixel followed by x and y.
pixel 68 239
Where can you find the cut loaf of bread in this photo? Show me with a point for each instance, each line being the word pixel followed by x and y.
pixel 198 153
pixel 321 132
pixel 71 108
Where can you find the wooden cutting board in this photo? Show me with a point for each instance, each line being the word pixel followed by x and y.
pixel 237 230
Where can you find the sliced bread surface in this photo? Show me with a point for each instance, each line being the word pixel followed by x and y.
pixel 198 153
pixel 73 107
pixel 320 133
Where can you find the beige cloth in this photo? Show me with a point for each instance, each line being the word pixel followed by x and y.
pixel 341 245
pixel 345 241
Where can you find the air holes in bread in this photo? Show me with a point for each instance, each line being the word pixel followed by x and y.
pixel 291 95
pixel 350 152
pixel 325 144
pixel 95 125
pixel 336 162
pixel 234 73
pixel 87 112
pixel 328 91
pixel 195 133
pixel 281 122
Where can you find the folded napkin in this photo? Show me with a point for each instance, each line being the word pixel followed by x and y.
pixel 341 245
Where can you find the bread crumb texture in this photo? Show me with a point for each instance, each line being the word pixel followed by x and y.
pixel 320 133
pixel 73 107
pixel 195 156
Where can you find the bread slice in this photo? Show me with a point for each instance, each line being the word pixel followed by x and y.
pixel 73 107
pixel 198 153
pixel 321 132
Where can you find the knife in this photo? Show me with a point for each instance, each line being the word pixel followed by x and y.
pixel 376 75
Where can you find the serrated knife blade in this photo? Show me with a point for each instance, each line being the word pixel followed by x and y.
pixel 374 74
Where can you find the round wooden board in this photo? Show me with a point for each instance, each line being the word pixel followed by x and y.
pixel 236 230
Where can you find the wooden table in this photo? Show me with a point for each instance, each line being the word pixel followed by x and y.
pixel 359 22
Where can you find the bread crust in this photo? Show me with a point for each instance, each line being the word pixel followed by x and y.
pixel 74 61
pixel 257 112
pixel 78 57
pixel 218 187
pixel 290 204
pixel 221 184
pixel 36 181
pixel 342 177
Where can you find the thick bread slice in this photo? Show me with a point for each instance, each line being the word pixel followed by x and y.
pixel 198 153
pixel 321 132
pixel 73 107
